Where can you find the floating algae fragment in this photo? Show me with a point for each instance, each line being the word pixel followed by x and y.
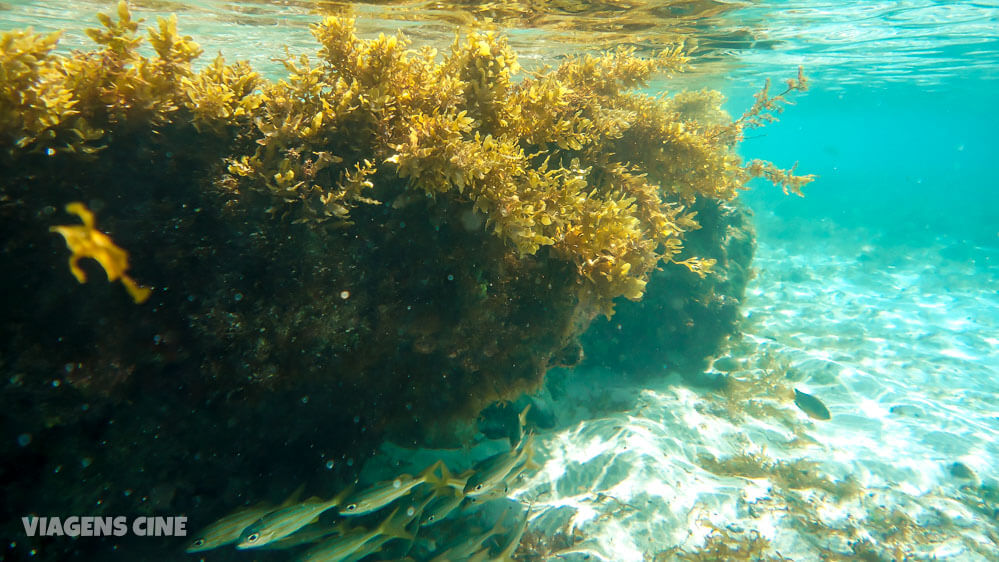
pixel 85 241
pixel 811 405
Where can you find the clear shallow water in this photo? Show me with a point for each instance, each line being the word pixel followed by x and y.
pixel 921 43
pixel 876 292
pixel 902 355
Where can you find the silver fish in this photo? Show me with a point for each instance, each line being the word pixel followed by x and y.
pixel 464 550
pixel 307 535
pixel 227 529
pixel 383 493
pixel 450 481
pixel 491 472
pixel 506 555
pixel 502 489
pixel 339 548
pixel 344 547
pixel 441 507
pixel 283 522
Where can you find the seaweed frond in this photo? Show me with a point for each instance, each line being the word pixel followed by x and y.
pixel 85 241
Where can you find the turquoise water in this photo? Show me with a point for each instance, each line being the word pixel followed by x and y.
pixel 877 292
pixel 908 163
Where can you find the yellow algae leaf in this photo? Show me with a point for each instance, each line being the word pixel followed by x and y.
pixel 701 266
pixel 85 241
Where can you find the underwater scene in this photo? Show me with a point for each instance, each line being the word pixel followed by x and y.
pixel 566 280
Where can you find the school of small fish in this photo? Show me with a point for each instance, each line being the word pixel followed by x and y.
pixel 433 497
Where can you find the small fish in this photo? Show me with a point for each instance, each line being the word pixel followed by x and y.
pixel 489 473
pixel 339 548
pixel 493 471
pixel 283 522
pixel 346 546
pixel 811 405
pixel 441 507
pixel 961 470
pixel 495 493
pixel 502 489
pixel 449 480
pixel 307 535
pixel 480 556
pixel 230 527
pixel 410 520
pixel 506 554
pixel 383 493
pixel 463 551
pixel 522 421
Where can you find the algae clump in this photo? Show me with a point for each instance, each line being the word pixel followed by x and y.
pixel 571 159
pixel 482 220
pixel 386 240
